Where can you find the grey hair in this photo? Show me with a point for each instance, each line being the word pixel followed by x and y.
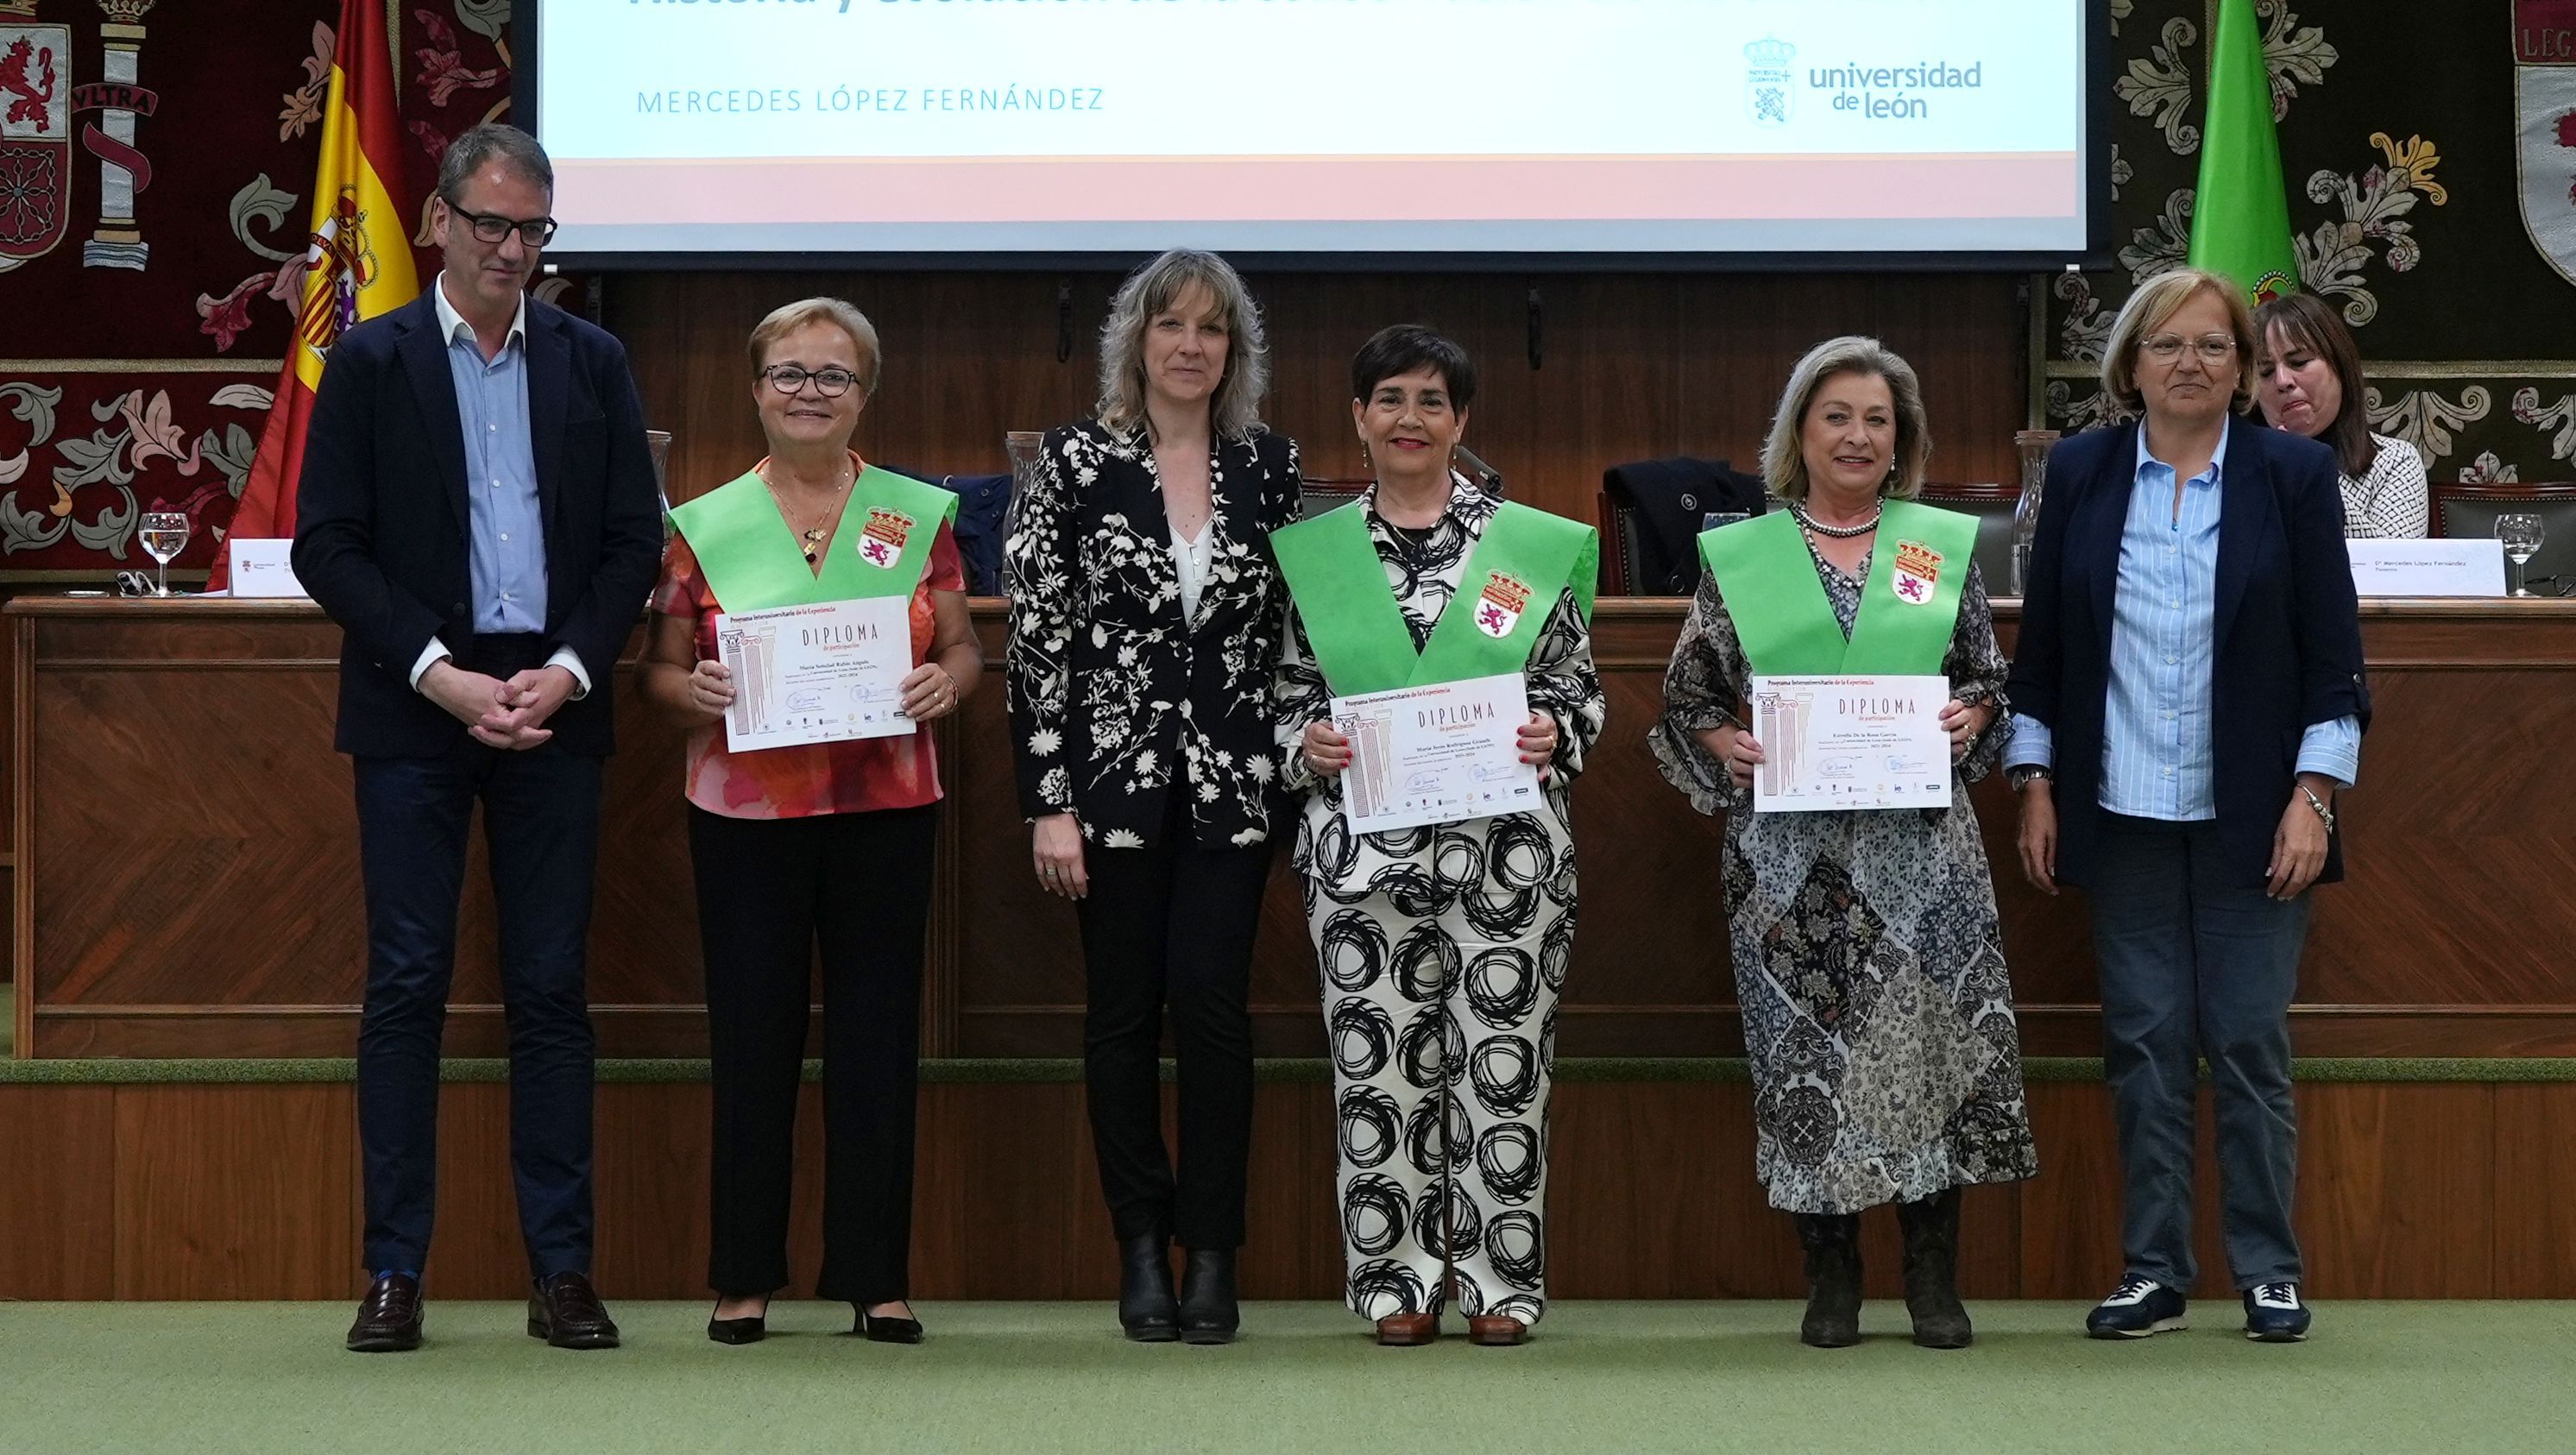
pixel 837 312
pixel 1234 411
pixel 1784 467
pixel 491 141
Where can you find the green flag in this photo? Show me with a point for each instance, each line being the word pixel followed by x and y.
pixel 2240 220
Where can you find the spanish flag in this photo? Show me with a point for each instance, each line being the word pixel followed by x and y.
pixel 358 266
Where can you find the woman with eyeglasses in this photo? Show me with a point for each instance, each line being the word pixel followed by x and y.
pixel 824 845
pixel 2187 696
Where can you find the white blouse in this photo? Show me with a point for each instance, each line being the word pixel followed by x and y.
pixel 1193 559
pixel 2394 500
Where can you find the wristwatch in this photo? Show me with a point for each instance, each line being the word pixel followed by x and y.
pixel 2319 804
pixel 2021 777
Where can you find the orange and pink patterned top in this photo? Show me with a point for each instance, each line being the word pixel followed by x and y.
pixel 858 776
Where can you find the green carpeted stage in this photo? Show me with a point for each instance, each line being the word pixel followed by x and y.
pixel 270 1378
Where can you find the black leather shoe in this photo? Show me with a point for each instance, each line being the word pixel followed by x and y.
pixel 388 1318
pixel 739 1331
pixel 887 1330
pixel 565 1311
pixel 1146 1308
pixel 1209 1314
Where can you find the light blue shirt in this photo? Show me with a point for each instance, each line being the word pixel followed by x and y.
pixel 2156 719
pixel 505 526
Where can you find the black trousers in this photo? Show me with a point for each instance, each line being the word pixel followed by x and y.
pixel 541 830
pixel 1172 925
pixel 770 891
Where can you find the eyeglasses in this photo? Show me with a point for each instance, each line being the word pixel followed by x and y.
pixel 788 378
pixel 491 227
pixel 2216 348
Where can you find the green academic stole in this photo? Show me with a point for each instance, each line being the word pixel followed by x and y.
pixel 753 562
pixel 1525 558
pixel 1908 607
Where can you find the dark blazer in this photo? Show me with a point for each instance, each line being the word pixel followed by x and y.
pixel 2288 630
pixel 381 538
pixel 1671 499
pixel 1113 697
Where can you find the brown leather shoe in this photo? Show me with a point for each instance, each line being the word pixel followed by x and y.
pixel 388 1318
pixel 565 1311
pixel 1404 1331
pixel 1496 1331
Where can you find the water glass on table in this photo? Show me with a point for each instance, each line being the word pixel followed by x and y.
pixel 164 534
pixel 2521 533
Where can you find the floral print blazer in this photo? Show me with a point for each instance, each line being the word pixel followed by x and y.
pixel 1113 697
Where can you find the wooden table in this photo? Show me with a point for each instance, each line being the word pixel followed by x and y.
pixel 187 879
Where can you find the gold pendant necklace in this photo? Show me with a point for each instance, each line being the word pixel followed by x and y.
pixel 810 538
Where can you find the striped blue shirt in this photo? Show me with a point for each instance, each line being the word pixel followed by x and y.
pixel 2156 721
pixel 507 547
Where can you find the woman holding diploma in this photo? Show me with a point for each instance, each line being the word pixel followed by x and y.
pixel 1144 630
pixel 1443 945
pixel 1869 963
pixel 2187 696
pixel 822 843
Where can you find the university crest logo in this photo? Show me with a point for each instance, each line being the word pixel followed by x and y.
pixel 1918 571
pixel 1500 604
pixel 881 539
pixel 35 133
pixel 1767 81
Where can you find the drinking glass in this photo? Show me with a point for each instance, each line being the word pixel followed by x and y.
pixel 2521 533
pixel 164 534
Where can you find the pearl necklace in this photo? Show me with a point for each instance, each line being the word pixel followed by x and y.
pixel 1837 532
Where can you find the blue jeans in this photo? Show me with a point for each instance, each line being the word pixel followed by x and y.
pixel 541 830
pixel 2195 964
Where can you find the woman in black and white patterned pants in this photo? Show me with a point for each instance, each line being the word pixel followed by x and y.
pixel 1442 950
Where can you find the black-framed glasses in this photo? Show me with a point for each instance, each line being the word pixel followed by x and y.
pixel 2563 584
pixel 491 227
pixel 788 378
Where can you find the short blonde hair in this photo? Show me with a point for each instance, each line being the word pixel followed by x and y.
pixel 839 313
pixel 1234 411
pixel 2158 299
pixel 1784 467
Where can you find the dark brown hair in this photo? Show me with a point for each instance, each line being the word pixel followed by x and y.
pixel 2309 323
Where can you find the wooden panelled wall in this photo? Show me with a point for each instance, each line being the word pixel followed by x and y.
pixel 2417 1190
pixel 1632 366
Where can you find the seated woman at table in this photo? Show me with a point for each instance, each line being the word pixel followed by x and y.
pixel 1869 961
pixel 2308 381
pixel 1443 947
pixel 824 844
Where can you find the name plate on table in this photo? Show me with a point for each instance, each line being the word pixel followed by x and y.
pixel 2468 566
pixel 1839 743
pixel 260 568
pixel 1433 755
pixel 817 674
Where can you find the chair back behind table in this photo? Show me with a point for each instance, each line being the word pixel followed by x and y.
pixel 1993 506
pixel 2467 511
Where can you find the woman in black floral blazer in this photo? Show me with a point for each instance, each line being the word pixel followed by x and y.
pixel 1145 619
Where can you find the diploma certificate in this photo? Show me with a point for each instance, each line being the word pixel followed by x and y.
pixel 1850 742
pixel 1437 754
pixel 817 674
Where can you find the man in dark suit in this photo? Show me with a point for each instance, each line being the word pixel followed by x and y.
pixel 478 513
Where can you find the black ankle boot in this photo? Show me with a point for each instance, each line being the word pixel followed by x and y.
pixel 1146 1308
pixel 1833 1280
pixel 1932 1271
pixel 1208 1311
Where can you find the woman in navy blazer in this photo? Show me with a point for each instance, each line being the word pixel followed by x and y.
pixel 2188 695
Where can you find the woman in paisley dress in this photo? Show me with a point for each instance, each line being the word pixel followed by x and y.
pixel 1145 622
pixel 1869 963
